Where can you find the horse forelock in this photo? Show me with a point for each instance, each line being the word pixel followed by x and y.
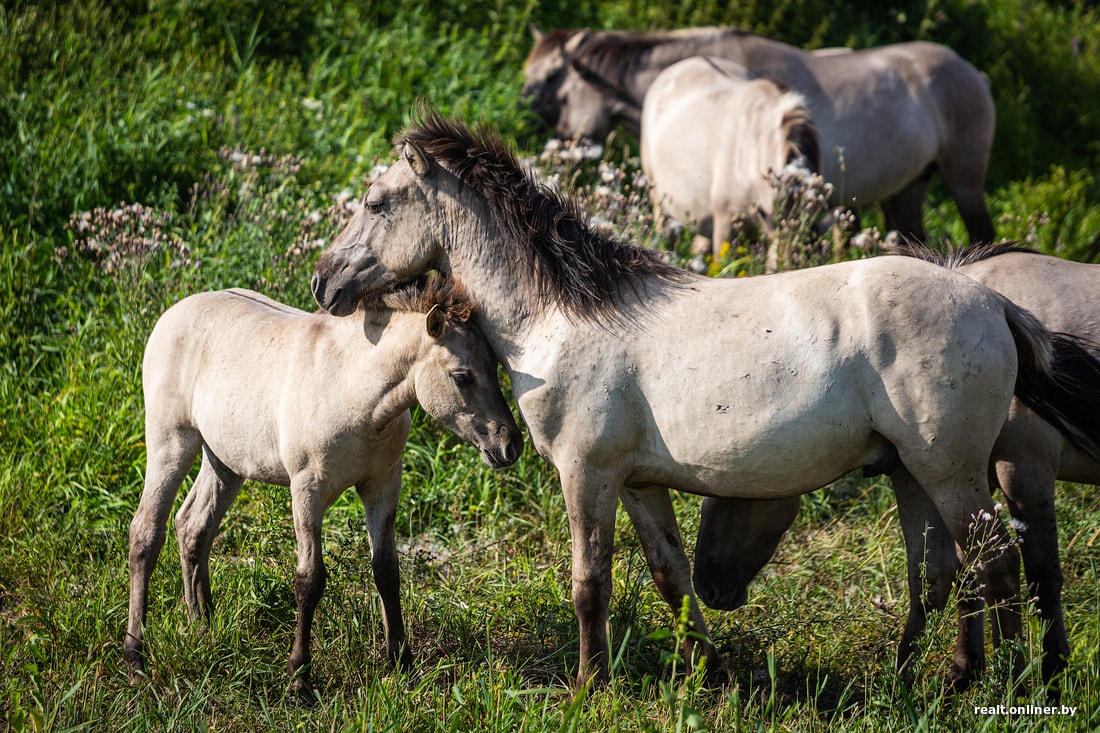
pixel 426 293
pixel 954 257
pixel 549 43
pixel 565 260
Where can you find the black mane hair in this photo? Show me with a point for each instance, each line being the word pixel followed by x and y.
pixel 572 264
pixel 614 55
pixel 954 258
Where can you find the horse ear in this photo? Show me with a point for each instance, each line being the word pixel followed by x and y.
pixel 416 159
pixel 436 322
pixel 535 32
pixel 575 42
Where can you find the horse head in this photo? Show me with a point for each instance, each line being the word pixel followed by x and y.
pixel 575 92
pixel 356 264
pixel 737 537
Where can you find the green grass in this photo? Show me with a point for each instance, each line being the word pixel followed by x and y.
pixel 241 129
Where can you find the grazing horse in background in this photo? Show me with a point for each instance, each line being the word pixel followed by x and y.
pixel 781 385
pixel 737 537
pixel 887 116
pixel 317 403
pixel 712 138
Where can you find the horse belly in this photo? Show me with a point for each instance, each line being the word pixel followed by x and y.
pixel 728 445
pixel 239 425
pixel 871 150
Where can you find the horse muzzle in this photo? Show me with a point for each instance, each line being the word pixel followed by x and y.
pixel 502 447
pixel 721 598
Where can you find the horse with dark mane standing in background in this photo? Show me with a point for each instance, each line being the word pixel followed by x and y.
pixel 888 116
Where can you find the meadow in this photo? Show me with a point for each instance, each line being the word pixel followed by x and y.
pixel 149 150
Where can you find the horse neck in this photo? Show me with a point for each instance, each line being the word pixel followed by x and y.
pixel 492 273
pixel 747 49
pixel 375 354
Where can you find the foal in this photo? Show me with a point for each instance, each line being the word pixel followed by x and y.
pixel 309 401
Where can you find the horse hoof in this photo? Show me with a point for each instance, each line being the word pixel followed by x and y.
pixel 301 693
pixel 958 681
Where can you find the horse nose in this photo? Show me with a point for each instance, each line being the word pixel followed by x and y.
pixel 317 287
pixel 706 591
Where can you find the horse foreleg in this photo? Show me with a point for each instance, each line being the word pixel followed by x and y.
pixel 654 520
pixel 903 212
pixel 169 457
pixel 932 564
pixel 309 581
pixel 197 522
pixel 380 505
pixel 591 500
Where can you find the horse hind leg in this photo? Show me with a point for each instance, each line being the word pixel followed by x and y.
pixel 1029 492
pixel 169 457
pixel 380 505
pixel 932 567
pixel 963 173
pixel 197 524
pixel 988 552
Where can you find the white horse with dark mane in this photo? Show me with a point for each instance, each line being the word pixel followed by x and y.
pixel 713 137
pixel 781 385
pixel 888 116
pixel 271 393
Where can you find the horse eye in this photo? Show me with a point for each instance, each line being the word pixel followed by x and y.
pixel 462 378
pixel 375 207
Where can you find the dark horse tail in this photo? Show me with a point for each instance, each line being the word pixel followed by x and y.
pixel 1058 378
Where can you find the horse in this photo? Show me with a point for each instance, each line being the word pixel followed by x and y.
pixel 737 537
pixel 271 393
pixel 781 385
pixel 887 116
pixel 712 135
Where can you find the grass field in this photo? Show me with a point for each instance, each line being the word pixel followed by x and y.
pixel 153 149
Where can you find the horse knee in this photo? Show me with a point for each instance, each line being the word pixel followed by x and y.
pixel 309 586
pixel 146 539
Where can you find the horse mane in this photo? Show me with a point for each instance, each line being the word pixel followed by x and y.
pixel 800 132
pixel 614 55
pixel 572 264
pixel 954 257
pixel 427 292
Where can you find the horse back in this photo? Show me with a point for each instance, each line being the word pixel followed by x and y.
pixel 1059 292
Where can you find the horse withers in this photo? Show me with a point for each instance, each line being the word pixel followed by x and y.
pixel 713 137
pixel 270 393
pixel 888 116
pixel 781 385
pixel 738 537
